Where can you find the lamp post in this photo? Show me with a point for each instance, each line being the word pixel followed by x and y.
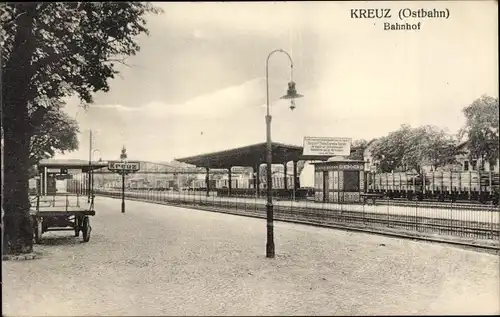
pixel 291 94
pixel 93 151
pixel 123 157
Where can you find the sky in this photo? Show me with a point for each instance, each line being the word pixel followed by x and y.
pixel 198 84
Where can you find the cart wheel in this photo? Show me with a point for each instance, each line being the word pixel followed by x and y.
pixel 38 230
pixel 86 228
pixel 77 226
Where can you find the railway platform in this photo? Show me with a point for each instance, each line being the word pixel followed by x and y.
pixel 160 260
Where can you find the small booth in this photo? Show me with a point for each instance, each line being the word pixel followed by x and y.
pixel 339 180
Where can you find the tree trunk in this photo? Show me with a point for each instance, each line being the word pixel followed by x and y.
pixel 16 77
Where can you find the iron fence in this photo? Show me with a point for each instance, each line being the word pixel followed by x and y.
pixel 470 221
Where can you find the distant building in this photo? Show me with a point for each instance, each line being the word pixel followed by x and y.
pixel 468 165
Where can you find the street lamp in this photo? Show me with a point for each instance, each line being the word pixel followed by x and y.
pixel 291 94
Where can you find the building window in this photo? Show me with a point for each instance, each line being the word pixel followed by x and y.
pixel 474 165
pixel 466 166
pixel 351 181
pixel 493 164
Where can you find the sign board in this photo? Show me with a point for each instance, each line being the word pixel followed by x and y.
pixel 326 146
pixel 64 177
pixel 340 167
pixel 54 170
pixel 124 166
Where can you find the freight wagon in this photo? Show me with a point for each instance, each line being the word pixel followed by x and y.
pixel 475 186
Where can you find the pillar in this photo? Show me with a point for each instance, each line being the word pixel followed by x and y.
pixel 230 181
pixel 45 181
pixel 250 179
pixel 257 180
pixel 296 184
pixel 286 176
pixel 207 181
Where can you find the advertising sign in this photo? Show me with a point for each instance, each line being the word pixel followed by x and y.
pixel 327 146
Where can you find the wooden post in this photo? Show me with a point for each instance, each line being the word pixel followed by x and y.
pixel 459 183
pixel 470 185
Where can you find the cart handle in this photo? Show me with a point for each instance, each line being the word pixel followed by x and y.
pixel 92 202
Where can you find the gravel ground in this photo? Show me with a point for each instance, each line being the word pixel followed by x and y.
pixel 162 260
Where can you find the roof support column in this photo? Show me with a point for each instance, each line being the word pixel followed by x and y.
pixel 257 181
pixel 296 184
pixel 207 181
pixel 175 179
pixel 286 176
pixel 44 175
pixel 230 181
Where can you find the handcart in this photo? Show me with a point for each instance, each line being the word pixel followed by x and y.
pixel 70 211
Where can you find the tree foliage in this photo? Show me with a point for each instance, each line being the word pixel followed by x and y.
pixel 361 143
pixel 481 129
pixel 360 146
pixel 410 148
pixel 57 132
pixel 52 50
pixel 76 45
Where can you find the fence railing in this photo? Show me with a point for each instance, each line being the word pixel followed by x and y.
pixel 470 221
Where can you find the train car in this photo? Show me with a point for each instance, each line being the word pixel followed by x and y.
pixel 395 185
pixel 441 185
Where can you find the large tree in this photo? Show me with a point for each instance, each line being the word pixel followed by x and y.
pixel 52 50
pixel 481 129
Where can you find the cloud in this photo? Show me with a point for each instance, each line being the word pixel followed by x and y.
pixel 227 101
pixel 203 67
pixel 272 18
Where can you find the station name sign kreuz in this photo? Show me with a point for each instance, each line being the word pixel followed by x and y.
pixel 121 166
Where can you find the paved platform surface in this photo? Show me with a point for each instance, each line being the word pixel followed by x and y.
pixel 163 260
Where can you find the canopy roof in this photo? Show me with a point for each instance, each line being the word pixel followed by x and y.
pixel 71 164
pixel 251 155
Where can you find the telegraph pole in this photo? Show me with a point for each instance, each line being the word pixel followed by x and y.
pixel 89 184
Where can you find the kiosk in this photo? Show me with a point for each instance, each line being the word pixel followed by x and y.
pixel 339 180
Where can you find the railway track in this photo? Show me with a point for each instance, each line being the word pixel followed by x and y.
pixel 437 204
pixel 446 227
pixel 380 202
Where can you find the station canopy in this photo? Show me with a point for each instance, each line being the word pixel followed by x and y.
pixel 247 156
pixel 71 164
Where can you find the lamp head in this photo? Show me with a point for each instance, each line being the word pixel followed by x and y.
pixel 123 156
pixel 292 94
